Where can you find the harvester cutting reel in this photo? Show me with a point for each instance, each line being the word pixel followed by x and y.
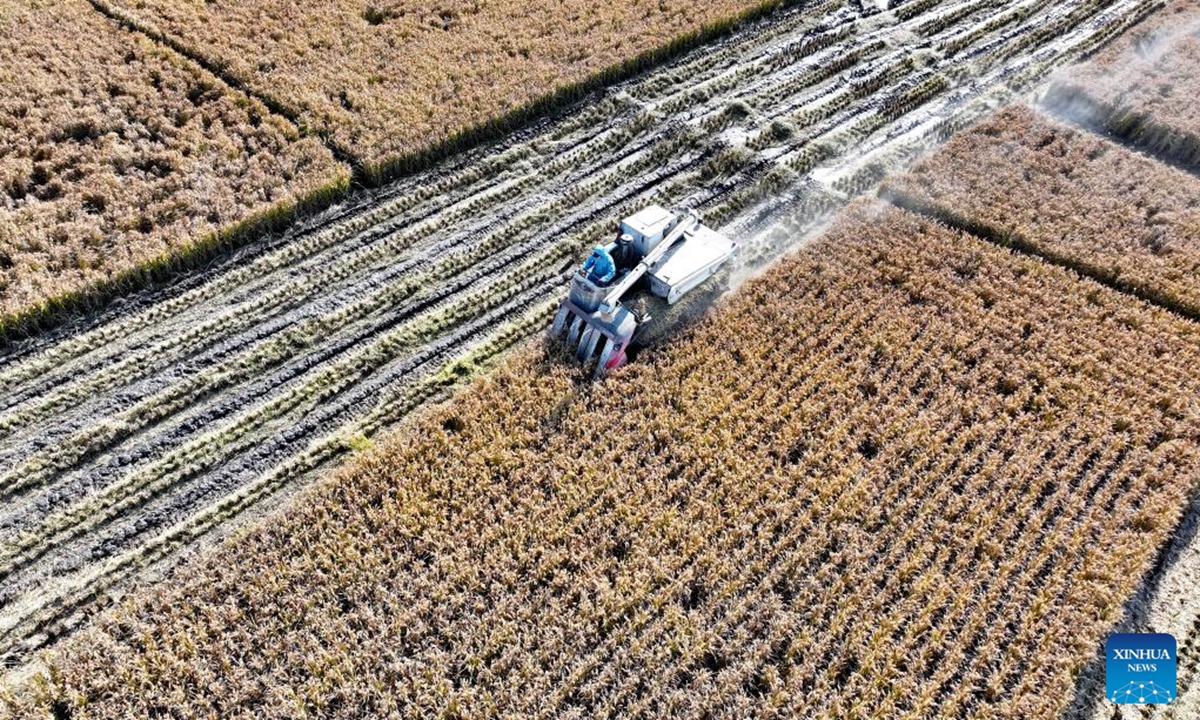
pixel 658 256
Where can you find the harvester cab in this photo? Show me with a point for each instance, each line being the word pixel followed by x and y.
pixel 658 257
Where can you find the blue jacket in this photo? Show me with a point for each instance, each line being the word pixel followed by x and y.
pixel 600 266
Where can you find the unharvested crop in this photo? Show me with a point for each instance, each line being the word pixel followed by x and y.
pixel 905 474
pixel 1144 86
pixel 1106 211
pixel 386 79
pixel 115 152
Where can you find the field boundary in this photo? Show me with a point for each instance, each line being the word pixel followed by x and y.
pixel 1016 241
pixel 161 271
pixel 136 25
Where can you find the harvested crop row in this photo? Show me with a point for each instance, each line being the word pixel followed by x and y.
pixel 975 451
pixel 116 153
pixel 387 79
pixel 1078 199
pixel 1017 14
pixel 1144 86
pixel 1003 55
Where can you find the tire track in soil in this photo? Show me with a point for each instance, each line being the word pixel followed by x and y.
pixel 142 432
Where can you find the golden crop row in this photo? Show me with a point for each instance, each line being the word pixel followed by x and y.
pixel 116 154
pixel 1110 213
pixel 905 474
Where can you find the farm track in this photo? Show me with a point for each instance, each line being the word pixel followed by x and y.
pixel 124 442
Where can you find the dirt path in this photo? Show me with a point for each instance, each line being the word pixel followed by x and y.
pixel 126 442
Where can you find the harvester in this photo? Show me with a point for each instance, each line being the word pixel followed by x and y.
pixel 627 286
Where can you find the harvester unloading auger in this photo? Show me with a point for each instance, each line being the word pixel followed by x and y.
pixel 658 256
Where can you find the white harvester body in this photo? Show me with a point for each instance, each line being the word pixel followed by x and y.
pixel 658 252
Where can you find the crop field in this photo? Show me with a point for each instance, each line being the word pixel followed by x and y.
pixel 152 429
pixel 116 152
pixel 385 79
pixel 1106 211
pixel 1143 88
pixel 1125 219
pixel 1033 183
pixel 129 158
pixel 980 451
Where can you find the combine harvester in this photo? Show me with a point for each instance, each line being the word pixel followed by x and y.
pixel 628 285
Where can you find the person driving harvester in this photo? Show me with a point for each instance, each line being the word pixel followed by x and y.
pixel 599 266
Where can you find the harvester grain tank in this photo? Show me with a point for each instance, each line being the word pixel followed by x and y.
pixel 659 256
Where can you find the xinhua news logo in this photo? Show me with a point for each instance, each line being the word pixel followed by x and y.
pixel 1140 668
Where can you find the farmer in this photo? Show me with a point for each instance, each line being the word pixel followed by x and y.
pixel 599 266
